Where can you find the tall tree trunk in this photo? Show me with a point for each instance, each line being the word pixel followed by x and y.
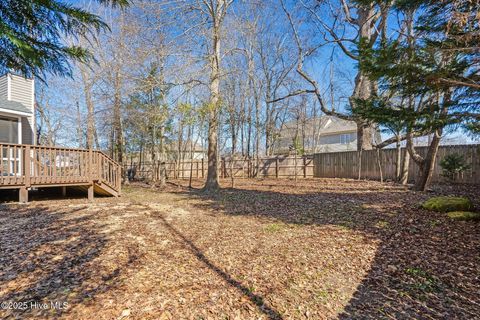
pixel 232 160
pixel 242 140
pixel 79 127
pixel 117 119
pixel 257 134
pixel 398 162
pixel 428 165
pixel 163 171
pixel 179 144
pixel 212 174
pixel 87 91
pixel 249 125
pixel 405 168
pixel 268 126
pixel 363 85
pixel 95 136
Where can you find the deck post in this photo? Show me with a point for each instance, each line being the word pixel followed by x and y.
pixel 23 195
pixel 27 168
pixel 119 181
pixel 90 193
pixel 90 164
pixel 64 191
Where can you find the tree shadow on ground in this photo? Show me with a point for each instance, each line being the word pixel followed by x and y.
pixel 42 194
pixel 49 256
pixel 256 299
pixel 426 265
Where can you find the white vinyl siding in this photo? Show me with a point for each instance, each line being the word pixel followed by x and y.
pixel 338 142
pixel 27 130
pixel 341 138
pixel 21 90
pixel 4 86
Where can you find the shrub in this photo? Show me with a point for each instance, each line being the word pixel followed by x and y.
pixel 452 165
pixel 464 215
pixel 447 204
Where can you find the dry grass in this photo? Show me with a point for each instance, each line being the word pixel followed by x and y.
pixel 316 249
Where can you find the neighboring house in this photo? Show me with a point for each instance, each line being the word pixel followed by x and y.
pixel 318 135
pixel 17 115
pixel 171 153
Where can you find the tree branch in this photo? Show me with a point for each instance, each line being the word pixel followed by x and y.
pixel 292 94
pixel 306 77
pixel 473 85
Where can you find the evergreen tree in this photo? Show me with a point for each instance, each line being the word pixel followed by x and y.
pixel 430 72
pixel 32 34
pixel 147 113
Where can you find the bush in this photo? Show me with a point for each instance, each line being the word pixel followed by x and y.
pixel 452 165
pixel 464 215
pixel 448 204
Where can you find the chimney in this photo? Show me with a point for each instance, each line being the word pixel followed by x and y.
pixel 17 88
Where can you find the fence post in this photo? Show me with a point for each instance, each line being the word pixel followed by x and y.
pixel 243 168
pixel 203 170
pixel 304 166
pixel 249 166
pixel 224 173
pixel 295 165
pixel 276 167
pixel 191 173
pixel 197 168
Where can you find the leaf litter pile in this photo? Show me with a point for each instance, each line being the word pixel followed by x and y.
pixel 266 249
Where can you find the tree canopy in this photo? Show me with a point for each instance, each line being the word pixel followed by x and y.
pixel 32 34
pixel 428 75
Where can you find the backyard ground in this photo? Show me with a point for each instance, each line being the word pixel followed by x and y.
pixel 267 249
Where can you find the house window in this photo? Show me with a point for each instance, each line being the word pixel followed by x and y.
pixel 346 138
pixel 8 130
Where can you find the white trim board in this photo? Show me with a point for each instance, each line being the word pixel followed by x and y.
pixel 16 113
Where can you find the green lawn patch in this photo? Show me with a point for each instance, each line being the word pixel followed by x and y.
pixel 274 227
pixel 448 204
pixel 464 215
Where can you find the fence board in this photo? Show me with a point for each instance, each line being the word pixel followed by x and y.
pixel 271 167
pixel 324 165
pixel 345 164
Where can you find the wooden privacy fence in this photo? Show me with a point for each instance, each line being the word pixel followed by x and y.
pixel 267 167
pixel 346 164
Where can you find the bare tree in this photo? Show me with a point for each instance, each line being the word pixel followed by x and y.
pixel 216 11
pixel 369 22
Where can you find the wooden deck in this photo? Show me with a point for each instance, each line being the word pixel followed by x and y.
pixel 24 167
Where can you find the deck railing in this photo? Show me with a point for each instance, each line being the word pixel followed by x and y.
pixel 26 165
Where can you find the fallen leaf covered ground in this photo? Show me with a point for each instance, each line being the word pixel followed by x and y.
pixel 266 249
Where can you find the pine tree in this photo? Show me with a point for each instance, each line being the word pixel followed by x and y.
pixel 31 34
pixel 431 74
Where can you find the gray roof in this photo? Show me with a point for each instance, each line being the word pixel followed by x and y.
pixel 324 125
pixel 13 105
pixel 337 125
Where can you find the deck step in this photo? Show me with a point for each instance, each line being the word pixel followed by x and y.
pixel 104 190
